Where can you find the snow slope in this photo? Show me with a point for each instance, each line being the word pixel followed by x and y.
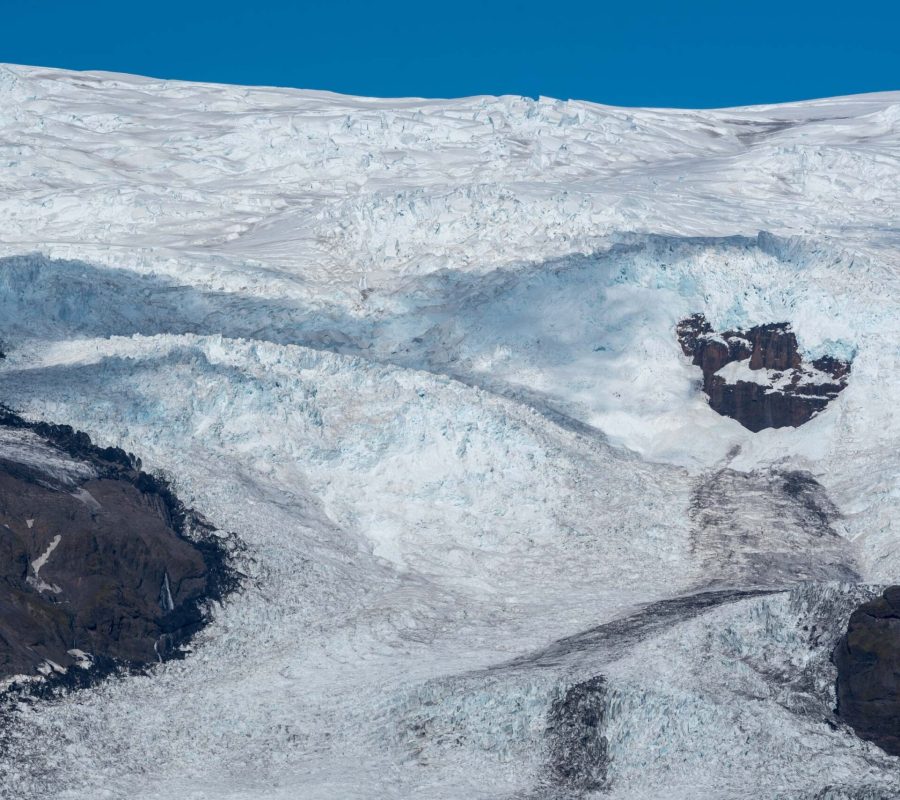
pixel 420 356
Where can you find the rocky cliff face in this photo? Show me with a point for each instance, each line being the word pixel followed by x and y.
pixel 757 376
pixel 868 664
pixel 95 566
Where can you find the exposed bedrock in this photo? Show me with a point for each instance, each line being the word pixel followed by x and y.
pixel 868 671
pixel 757 376
pixel 99 562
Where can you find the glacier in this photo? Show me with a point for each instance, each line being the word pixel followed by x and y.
pixel 419 357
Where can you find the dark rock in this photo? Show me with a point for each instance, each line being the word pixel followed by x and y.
pixel 868 671
pixel 787 393
pixel 96 558
pixel 579 750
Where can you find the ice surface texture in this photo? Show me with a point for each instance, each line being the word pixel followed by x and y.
pixel 420 357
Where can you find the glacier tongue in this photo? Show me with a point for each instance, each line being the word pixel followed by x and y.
pixel 420 356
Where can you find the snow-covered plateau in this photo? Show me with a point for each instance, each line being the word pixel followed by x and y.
pixel 419 357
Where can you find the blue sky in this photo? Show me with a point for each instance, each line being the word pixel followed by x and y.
pixel 644 52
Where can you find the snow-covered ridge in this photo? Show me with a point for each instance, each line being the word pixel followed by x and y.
pixel 316 188
pixel 420 356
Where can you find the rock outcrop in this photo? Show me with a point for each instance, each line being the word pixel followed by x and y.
pixel 757 376
pixel 868 666
pixel 96 564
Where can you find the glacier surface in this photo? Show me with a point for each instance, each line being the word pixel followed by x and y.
pixel 419 356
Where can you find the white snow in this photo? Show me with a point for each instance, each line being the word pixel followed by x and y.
pixel 166 593
pixel 736 371
pixel 420 356
pixel 23 447
pixel 82 660
pixel 36 565
pixel 740 371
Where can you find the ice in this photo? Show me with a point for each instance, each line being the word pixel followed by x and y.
pixel 419 355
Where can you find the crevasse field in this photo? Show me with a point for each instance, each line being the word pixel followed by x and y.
pixel 419 356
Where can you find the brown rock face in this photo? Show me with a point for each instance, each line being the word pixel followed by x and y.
pixel 770 386
pixel 94 563
pixel 868 665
